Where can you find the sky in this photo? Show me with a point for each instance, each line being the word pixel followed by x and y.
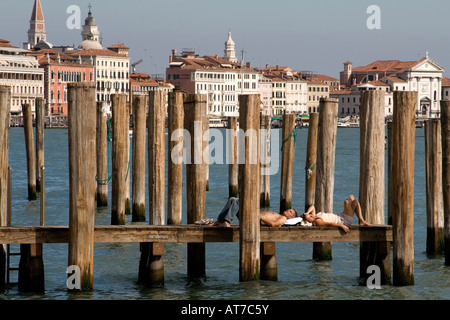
pixel 316 36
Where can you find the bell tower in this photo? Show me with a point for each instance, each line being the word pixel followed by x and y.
pixel 230 52
pixel 37 31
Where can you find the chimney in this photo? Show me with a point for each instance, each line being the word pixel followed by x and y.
pixel 248 65
pixel 277 68
pixel 267 65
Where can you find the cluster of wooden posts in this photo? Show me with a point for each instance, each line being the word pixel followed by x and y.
pixel 88 169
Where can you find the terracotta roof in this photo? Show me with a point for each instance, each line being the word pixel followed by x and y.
pixel 210 63
pixel 118 46
pixel 374 83
pixel 340 92
pixel 97 52
pixel 445 82
pixel 324 77
pixel 394 79
pixel 388 65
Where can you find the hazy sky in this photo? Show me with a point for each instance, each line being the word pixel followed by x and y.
pixel 314 35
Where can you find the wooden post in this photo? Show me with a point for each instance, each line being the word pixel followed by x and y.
pixel 42 195
pixel 82 170
pixel 232 158
pixel 129 160
pixel 102 156
pixel 175 161
pixel 140 104
pixel 120 133
pixel 269 267
pixel 372 180
pixel 311 160
pixel 206 149
pixel 156 157
pixel 403 141
pixel 194 113
pixel 29 145
pixel 5 98
pixel 326 145
pixel 287 161
pixel 249 183
pixel 445 131
pixel 152 263
pixel 40 118
pixel 435 204
pixel 389 170
pixel 265 161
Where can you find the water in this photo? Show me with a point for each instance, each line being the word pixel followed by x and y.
pixel 299 276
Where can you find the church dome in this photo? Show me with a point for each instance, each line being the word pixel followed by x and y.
pixel 229 42
pixel 43 45
pixel 90 44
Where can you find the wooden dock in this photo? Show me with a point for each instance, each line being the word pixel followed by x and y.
pixel 193 234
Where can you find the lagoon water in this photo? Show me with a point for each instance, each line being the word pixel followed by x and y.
pixel 299 276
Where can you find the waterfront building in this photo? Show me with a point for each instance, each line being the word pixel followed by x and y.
pixel 22 73
pixel 221 80
pixel 289 90
pixel 350 99
pixel 59 70
pixel 111 65
pixel 265 93
pixel 142 84
pixel 316 90
pixel 445 88
pixel 423 76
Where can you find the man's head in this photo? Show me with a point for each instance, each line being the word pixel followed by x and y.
pixel 290 213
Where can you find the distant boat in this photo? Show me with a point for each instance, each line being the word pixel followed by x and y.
pixel 216 122
pixel 342 124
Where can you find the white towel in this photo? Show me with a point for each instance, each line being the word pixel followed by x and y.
pixel 297 221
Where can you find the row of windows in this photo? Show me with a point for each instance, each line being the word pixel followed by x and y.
pixel 222 108
pixel 112 64
pixel 112 74
pixel 221 87
pixel 66 76
pixel 26 89
pixel 20 76
pixel 319 89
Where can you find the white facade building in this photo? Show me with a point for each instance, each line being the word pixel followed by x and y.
pixel 22 73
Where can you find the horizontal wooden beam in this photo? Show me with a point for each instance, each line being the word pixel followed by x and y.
pixel 193 234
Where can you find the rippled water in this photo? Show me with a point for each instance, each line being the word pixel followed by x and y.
pixel 300 277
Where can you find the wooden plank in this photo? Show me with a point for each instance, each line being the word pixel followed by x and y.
pixel 193 234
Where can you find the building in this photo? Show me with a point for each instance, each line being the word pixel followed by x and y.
pixel 316 90
pixel 142 84
pixel 37 35
pixel 265 93
pixel 445 88
pixel 221 79
pixel 59 70
pixel 22 73
pixel 423 76
pixel 111 65
pixel 350 99
pixel 289 90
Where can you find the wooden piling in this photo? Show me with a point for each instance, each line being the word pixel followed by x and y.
pixel 372 180
pixel 40 118
pixel 156 157
pixel 287 161
pixel 129 160
pixel 82 171
pixel 102 156
pixel 120 132
pixel 435 201
pixel 326 146
pixel 30 152
pixel 389 171
pixel 403 141
pixel 140 104
pixel 194 113
pixel 175 155
pixel 152 254
pixel 269 267
pixel 265 161
pixel 311 160
pixel 5 98
pixel 232 158
pixel 445 132
pixel 249 183
pixel 206 154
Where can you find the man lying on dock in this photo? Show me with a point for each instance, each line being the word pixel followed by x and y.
pixel 231 210
pixel 343 220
